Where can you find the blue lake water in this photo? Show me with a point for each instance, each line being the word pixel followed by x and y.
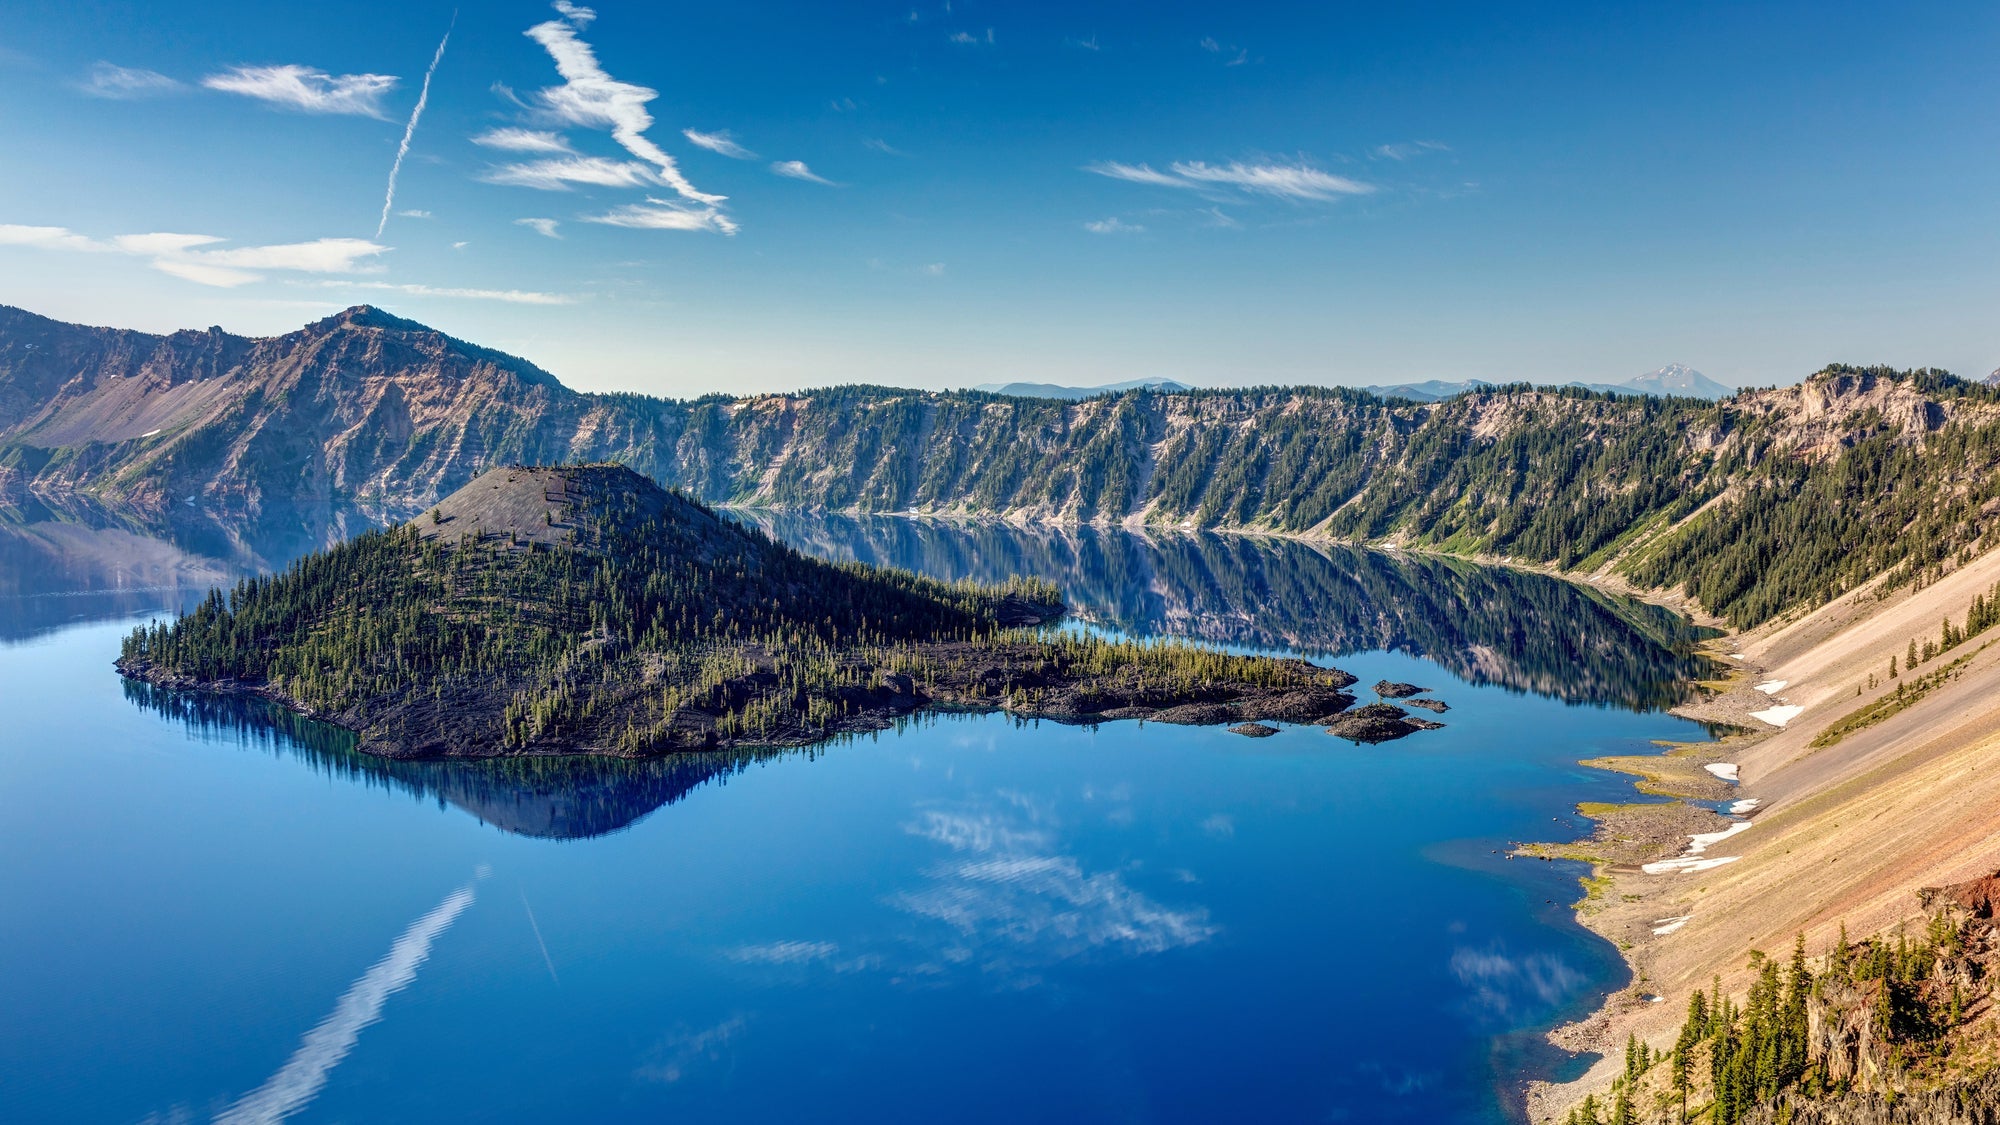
pixel 208 915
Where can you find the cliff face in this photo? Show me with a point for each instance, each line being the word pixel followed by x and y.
pixel 1848 476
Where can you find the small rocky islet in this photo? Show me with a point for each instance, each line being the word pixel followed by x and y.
pixel 587 610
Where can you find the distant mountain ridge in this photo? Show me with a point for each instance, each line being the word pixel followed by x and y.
pixel 1674 379
pixel 371 413
pixel 1057 390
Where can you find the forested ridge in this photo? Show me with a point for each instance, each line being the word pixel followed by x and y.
pixel 1758 504
pixel 587 609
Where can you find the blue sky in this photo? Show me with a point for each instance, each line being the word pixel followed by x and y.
pixel 763 196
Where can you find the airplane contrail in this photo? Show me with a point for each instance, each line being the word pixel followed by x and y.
pixel 300 1080
pixel 410 130
pixel 532 924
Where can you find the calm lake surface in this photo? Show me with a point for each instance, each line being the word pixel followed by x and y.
pixel 208 912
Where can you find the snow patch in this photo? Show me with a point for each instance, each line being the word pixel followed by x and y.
pixel 1772 687
pixel 1687 866
pixel 1745 806
pixel 150 433
pixel 1669 925
pixel 1724 770
pixel 1778 716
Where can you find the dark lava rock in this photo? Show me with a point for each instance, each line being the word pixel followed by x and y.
pixel 1306 705
pixel 1390 689
pixel 1254 730
pixel 1376 722
pixel 1437 705
pixel 1195 714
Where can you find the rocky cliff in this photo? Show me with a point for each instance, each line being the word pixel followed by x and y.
pixel 1852 474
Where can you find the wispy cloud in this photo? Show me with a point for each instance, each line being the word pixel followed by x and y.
pixel 414 213
pixel 719 141
pixel 1500 984
pixel 1089 44
pixel 664 214
pixel 194 257
pixel 784 952
pixel 1113 225
pixel 305 89
pixel 575 13
pixel 1231 55
pixel 1010 888
pixel 304 1075
pixel 1409 149
pixel 523 140
pixel 969 37
pixel 590 97
pixel 544 227
pixel 410 130
pixel 797 170
pixel 687 1049
pixel 108 80
pixel 882 146
pixel 561 173
pixel 505 296
pixel 1288 181
pixel 1296 182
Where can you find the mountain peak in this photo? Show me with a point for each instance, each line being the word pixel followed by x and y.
pixel 367 316
pixel 1677 379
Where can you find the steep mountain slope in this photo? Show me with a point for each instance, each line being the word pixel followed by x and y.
pixel 1756 504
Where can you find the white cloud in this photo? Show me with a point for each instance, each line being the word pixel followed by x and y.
pixel 414 213
pixel 47 238
pixel 662 214
pixel 523 140
pixel 184 256
pixel 1113 225
pixel 935 269
pixel 719 141
pixel 575 13
pixel 1134 173
pixel 968 37
pixel 507 296
pixel 1290 181
pixel 882 146
pixel 1407 149
pixel 592 98
pixel 203 273
pixel 1297 182
pixel 108 80
pixel 305 89
pixel 559 173
pixel 544 227
pixel 1089 44
pixel 797 170
pixel 460 245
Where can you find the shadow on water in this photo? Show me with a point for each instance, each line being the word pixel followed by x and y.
pixel 1487 624
pixel 569 798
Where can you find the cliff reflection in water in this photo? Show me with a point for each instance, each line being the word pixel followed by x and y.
pixel 75 560
pixel 1485 624
pixel 568 798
